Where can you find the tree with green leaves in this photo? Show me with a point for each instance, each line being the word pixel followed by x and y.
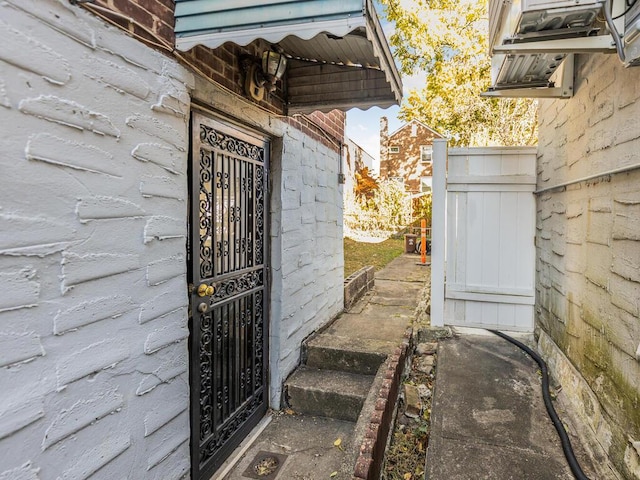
pixel 448 41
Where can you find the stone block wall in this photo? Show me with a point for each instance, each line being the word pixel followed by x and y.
pixel 357 285
pixel 588 251
pixel 93 291
pixel 307 247
pixel 93 208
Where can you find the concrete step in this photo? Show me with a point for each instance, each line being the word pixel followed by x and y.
pixel 347 354
pixel 328 393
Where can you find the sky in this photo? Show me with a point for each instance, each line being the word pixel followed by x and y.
pixel 363 126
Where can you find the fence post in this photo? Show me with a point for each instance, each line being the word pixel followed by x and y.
pixel 438 235
pixel 423 241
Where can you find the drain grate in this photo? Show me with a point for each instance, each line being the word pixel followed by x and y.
pixel 265 466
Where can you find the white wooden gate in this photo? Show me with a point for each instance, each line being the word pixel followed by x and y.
pixel 489 240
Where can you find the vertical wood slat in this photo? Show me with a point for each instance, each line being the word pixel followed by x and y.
pixel 490 251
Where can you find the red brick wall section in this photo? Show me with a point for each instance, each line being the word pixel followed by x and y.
pixel 222 65
pixel 332 123
pixel 156 15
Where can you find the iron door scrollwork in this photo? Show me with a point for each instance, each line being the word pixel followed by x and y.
pixel 228 324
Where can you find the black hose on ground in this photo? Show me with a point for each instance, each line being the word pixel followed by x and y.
pixel 564 438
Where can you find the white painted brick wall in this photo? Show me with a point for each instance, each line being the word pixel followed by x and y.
pixel 93 295
pixel 588 242
pixel 308 238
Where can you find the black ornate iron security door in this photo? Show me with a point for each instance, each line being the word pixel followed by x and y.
pixel 229 330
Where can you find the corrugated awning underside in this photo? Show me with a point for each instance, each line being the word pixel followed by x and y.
pixel 338 54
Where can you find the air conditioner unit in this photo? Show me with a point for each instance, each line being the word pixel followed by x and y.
pixel 538 20
pixel 525 70
pixel 530 40
pixel 632 36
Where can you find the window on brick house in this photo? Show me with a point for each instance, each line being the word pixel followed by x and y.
pixel 426 184
pixel 426 151
pixel 400 180
pixel 394 149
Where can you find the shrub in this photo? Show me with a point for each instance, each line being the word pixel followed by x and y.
pixel 386 212
pixel 422 208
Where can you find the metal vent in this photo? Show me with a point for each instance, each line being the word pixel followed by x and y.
pixel 578 21
pixel 526 70
pixel 632 36
pixel 531 39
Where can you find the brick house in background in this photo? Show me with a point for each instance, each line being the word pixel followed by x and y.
pixel 406 154
pixel 158 186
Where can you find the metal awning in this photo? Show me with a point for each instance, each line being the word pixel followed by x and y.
pixel 338 54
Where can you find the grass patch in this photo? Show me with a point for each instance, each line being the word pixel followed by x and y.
pixel 360 254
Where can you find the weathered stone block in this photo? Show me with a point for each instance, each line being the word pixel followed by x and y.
pixel 413 403
pixel 103 401
pixel 428 348
pixel 626 261
pixel 89 359
pixel 626 219
pixel 625 294
pixel 20 289
pixel 171 159
pixel 77 269
pixel 74 155
pixel 42 60
pixel 69 113
pixel 165 269
pixel 157 129
pixel 162 186
pixel 598 264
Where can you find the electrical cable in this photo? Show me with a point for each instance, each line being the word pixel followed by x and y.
pixel 629 7
pixel 562 433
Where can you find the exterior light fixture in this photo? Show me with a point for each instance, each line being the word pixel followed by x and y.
pixel 259 78
pixel 273 65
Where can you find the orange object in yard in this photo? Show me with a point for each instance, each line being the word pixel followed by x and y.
pixel 423 241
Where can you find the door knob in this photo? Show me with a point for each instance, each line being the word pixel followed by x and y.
pixel 203 307
pixel 205 290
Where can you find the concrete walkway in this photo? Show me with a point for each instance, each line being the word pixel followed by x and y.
pixel 306 442
pixel 488 416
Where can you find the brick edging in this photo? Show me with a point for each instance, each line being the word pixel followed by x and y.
pixel 371 453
